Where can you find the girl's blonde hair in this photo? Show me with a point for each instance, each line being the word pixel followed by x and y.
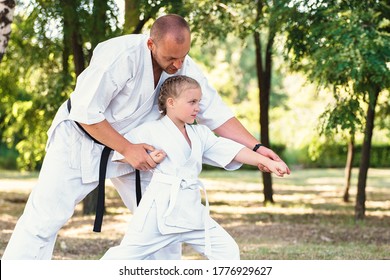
pixel 173 87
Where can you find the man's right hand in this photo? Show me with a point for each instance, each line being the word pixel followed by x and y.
pixel 137 156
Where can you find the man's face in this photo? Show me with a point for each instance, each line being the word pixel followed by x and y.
pixel 169 55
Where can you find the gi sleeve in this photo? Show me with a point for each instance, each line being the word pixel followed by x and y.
pixel 100 82
pixel 219 151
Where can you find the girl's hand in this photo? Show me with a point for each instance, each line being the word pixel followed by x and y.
pixel 157 155
pixel 279 168
pixel 271 155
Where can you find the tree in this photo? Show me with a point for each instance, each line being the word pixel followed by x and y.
pixel 7 8
pixel 345 116
pixel 26 85
pixel 265 17
pixel 6 16
pixel 259 19
pixel 73 39
pixel 345 43
pixel 49 35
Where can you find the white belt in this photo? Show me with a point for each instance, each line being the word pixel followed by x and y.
pixel 178 183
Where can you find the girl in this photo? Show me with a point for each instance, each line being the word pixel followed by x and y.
pixel 171 210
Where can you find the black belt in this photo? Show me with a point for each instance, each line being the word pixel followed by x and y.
pixel 102 179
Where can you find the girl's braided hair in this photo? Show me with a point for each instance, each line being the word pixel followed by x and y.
pixel 173 87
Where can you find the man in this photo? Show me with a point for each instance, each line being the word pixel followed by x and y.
pixel 114 94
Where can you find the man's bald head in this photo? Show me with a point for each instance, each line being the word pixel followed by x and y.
pixel 172 25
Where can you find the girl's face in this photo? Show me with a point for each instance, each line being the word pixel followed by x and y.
pixel 184 108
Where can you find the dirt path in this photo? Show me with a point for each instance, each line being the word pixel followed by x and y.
pixel 17 184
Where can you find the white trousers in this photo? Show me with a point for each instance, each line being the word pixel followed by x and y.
pixel 139 245
pixel 53 200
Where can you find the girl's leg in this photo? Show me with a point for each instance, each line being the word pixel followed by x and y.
pixel 139 245
pixel 125 186
pixel 52 200
pixel 223 246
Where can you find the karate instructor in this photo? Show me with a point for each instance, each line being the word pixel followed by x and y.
pixel 113 95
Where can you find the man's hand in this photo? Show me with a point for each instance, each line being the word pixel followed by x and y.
pixel 158 155
pixel 272 155
pixel 137 156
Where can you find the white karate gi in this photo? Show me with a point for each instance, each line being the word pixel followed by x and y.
pixel 171 210
pixel 117 86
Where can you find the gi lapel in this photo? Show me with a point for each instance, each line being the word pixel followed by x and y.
pixel 175 144
pixel 194 161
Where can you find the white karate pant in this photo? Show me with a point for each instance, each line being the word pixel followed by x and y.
pixel 139 245
pixel 53 200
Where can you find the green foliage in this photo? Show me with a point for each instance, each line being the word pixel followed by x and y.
pixel 383 112
pixel 8 158
pixel 341 42
pixel 334 155
pixel 344 46
pixel 227 28
pixel 34 88
pixel 346 114
pixel 37 75
pixel 139 13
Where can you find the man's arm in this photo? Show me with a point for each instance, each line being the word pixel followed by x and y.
pixel 135 154
pixel 234 130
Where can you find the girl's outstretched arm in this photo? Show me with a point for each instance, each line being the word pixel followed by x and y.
pixel 250 157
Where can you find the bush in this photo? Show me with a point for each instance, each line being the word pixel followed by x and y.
pixel 8 157
pixel 335 155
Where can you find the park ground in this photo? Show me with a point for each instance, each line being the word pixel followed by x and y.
pixel 308 221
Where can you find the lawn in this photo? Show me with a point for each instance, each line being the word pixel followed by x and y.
pixel 308 221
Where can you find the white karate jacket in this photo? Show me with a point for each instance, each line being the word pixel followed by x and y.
pixel 174 188
pixel 118 87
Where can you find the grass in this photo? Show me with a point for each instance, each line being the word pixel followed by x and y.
pixel 309 220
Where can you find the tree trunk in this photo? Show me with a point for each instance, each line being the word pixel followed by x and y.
pixel 99 23
pixel 73 42
pixel 133 21
pixel 7 8
pixel 78 55
pixel 132 15
pixel 360 207
pixel 264 82
pixel 264 72
pixel 90 202
pixel 73 34
pixel 348 167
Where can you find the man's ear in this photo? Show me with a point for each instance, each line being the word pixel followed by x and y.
pixel 150 44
